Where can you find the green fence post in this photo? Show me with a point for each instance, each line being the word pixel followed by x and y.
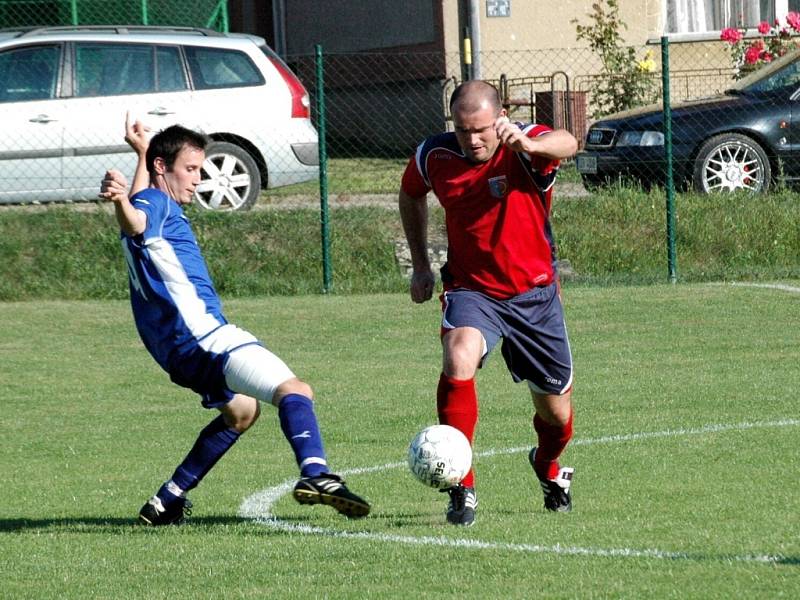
pixel 224 12
pixel 327 277
pixel 670 185
pixel 73 8
pixel 219 17
pixel 145 16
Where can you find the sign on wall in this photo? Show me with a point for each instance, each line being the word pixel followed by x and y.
pixel 498 8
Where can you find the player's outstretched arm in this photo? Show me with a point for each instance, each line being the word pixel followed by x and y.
pixel 114 188
pixel 136 135
pixel 414 215
pixel 557 144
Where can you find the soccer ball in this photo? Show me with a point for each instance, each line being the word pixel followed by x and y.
pixel 440 456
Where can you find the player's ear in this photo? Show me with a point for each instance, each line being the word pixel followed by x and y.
pixel 159 165
pixel 503 113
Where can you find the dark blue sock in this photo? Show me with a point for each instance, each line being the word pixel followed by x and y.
pixel 214 441
pixel 299 425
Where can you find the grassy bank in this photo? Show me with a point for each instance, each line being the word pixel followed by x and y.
pixel 72 252
pixel 619 236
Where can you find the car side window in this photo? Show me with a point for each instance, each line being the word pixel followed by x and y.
pixel 29 73
pixel 219 68
pixel 170 77
pixel 787 78
pixel 113 69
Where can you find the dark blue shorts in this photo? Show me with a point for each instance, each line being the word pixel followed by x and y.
pixel 204 373
pixel 531 325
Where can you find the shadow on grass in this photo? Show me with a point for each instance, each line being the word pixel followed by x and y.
pixel 94 524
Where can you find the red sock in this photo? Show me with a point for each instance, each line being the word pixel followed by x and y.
pixel 457 405
pixel 552 441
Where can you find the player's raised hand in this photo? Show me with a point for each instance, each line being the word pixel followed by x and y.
pixel 422 285
pixel 510 135
pixel 136 134
pixel 114 186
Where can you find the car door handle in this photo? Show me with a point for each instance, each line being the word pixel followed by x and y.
pixel 42 119
pixel 161 111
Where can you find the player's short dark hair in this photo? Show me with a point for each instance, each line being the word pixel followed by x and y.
pixel 166 144
pixel 478 91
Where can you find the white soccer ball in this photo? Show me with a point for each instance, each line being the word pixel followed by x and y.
pixel 440 456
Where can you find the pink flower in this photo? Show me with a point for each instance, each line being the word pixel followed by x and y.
pixel 752 54
pixel 732 35
pixel 766 57
pixel 793 19
pixel 763 28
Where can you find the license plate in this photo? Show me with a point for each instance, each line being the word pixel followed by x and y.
pixel 586 164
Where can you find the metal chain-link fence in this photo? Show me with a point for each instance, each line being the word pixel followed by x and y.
pixel 383 105
pixel 379 106
pixel 62 101
pixel 42 13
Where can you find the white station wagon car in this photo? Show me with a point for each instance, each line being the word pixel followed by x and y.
pixel 64 92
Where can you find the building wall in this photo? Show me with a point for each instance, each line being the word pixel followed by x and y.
pixel 390 55
pixel 537 25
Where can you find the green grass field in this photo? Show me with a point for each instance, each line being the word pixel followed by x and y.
pixel 686 457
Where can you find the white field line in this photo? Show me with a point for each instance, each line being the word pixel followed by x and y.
pixel 768 286
pixel 258 507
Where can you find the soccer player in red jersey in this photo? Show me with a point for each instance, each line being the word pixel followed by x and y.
pixel 494 179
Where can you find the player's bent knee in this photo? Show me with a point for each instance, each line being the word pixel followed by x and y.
pixel 461 361
pixel 241 412
pixel 463 349
pixel 292 386
pixel 555 409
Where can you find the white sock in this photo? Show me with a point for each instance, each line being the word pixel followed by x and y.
pixel 174 489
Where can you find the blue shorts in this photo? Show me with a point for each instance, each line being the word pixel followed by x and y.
pixel 226 362
pixel 204 373
pixel 531 325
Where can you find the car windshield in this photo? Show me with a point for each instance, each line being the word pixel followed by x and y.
pixel 782 74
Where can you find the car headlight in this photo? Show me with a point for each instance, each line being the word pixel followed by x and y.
pixel 641 138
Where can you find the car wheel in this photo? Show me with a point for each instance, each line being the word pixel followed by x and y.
pixel 731 162
pixel 230 178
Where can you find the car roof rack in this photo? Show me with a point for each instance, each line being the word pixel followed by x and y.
pixel 122 29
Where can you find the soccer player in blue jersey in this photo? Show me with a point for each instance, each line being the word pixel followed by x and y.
pixel 179 318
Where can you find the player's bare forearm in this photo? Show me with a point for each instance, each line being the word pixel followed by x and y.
pixel 131 220
pixel 556 144
pixel 136 135
pixel 141 178
pixel 114 188
pixel 414 215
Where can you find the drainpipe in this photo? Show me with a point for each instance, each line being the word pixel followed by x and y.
pixel 475 32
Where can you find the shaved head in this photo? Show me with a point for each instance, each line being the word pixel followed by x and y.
pixel 476 110
pixel 473 95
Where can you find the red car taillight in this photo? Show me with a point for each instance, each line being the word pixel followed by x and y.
pixel 300 100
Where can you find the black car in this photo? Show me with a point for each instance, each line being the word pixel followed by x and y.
pixel 741 140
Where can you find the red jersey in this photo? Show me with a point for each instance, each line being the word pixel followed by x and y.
pixel 497 214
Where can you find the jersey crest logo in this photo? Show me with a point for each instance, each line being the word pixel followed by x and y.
pixel 498 186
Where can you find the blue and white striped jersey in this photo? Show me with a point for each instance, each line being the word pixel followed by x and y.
pixel 173 298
